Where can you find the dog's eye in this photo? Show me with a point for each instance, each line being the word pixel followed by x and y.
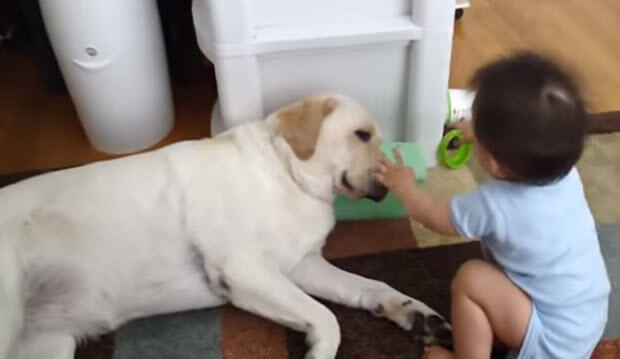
pixel 364 136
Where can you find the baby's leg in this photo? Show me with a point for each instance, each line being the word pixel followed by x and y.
pixel 485 303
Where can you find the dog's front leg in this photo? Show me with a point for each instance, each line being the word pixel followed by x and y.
pixel 318 277
pixel 267 292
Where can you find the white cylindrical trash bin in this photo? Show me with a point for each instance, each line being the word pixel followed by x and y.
pixel 112 57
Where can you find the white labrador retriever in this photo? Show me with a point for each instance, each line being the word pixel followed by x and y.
pixel 239 218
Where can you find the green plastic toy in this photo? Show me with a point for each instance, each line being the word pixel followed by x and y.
pixel 347 209
pixel 454 158
pixel 460 102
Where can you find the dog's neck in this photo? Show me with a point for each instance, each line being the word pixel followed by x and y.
pixel 310 178
pixel 308 175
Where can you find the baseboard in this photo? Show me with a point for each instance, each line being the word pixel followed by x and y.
pixel 604 122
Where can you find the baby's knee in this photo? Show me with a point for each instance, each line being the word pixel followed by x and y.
pixel 468 276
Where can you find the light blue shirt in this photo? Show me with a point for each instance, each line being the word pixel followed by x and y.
pixel 544 238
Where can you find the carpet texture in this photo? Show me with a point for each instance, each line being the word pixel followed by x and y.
pixel 189 335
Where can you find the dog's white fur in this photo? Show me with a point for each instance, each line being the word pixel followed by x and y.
pixel 238 218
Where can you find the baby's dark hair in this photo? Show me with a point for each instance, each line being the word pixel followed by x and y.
pixel 529 114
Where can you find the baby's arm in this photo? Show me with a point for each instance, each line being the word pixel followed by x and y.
pixel 433 213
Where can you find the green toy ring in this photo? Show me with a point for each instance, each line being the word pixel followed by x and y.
pixel 461 155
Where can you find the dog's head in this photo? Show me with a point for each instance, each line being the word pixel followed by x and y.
pixel 334 138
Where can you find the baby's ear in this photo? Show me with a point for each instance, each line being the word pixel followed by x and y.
pixel 497 169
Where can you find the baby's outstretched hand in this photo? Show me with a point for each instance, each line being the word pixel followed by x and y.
pixel 395 176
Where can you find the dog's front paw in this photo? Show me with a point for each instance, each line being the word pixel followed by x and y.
pixel 411 314
pixel 432 330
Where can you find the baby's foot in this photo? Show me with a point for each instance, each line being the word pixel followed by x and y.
pixel 437 352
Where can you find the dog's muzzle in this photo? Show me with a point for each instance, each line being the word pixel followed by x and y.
pixel 377 192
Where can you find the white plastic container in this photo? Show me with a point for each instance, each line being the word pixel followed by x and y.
pixel 391 55
pixel 460 102
pixel 112 57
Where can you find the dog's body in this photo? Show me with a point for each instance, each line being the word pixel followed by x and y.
pixel 240 218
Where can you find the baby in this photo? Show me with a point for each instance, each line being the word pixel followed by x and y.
pixel 543 289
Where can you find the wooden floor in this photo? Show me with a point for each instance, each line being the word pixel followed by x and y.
pixel 39 130
pixel 581 34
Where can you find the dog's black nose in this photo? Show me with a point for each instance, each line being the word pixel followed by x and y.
pixel 377 192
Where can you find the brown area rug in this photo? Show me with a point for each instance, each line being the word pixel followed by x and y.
pixel 423 274
pixel 607 349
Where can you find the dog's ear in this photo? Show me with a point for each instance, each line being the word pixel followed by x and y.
pixel 300 124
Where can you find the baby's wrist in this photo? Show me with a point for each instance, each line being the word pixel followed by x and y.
pixel 402 191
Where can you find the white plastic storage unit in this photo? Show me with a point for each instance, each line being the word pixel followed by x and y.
pixel 112 57
pixel 391 55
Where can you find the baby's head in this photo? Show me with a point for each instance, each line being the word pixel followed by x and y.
pixel 529 119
